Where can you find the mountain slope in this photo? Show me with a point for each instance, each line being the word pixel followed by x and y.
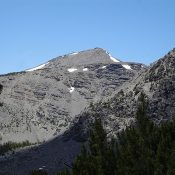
pixel 40 103
pixel 158 83
pixel 59 100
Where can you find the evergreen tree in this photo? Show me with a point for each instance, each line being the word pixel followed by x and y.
pixel 92 161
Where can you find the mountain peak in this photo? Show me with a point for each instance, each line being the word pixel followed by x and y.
pixel 96 56
pixel 91 56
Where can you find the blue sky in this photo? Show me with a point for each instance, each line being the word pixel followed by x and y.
pixel 34 31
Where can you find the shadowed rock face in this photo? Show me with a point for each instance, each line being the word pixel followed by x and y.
pixel 40 103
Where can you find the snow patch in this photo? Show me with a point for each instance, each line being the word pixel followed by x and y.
pixel 103 67
pixel 127 66
pixel 74 53
pixel 85 69
pixel 71 89
pixel 112 58
pixel 72 69
pixel 37 68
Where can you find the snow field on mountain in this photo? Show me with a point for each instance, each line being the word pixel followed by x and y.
pixel 37 68
pixel 72 69
pixel 127 66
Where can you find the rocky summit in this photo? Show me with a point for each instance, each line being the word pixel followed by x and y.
pixel 54 104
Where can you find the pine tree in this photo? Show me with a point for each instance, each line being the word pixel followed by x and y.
pixel 94 160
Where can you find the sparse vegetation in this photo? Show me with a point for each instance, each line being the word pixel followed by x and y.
pixel 10 146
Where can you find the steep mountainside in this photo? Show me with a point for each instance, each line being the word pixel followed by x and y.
pixel 58 101
pixel 40 103
pixel 158 83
